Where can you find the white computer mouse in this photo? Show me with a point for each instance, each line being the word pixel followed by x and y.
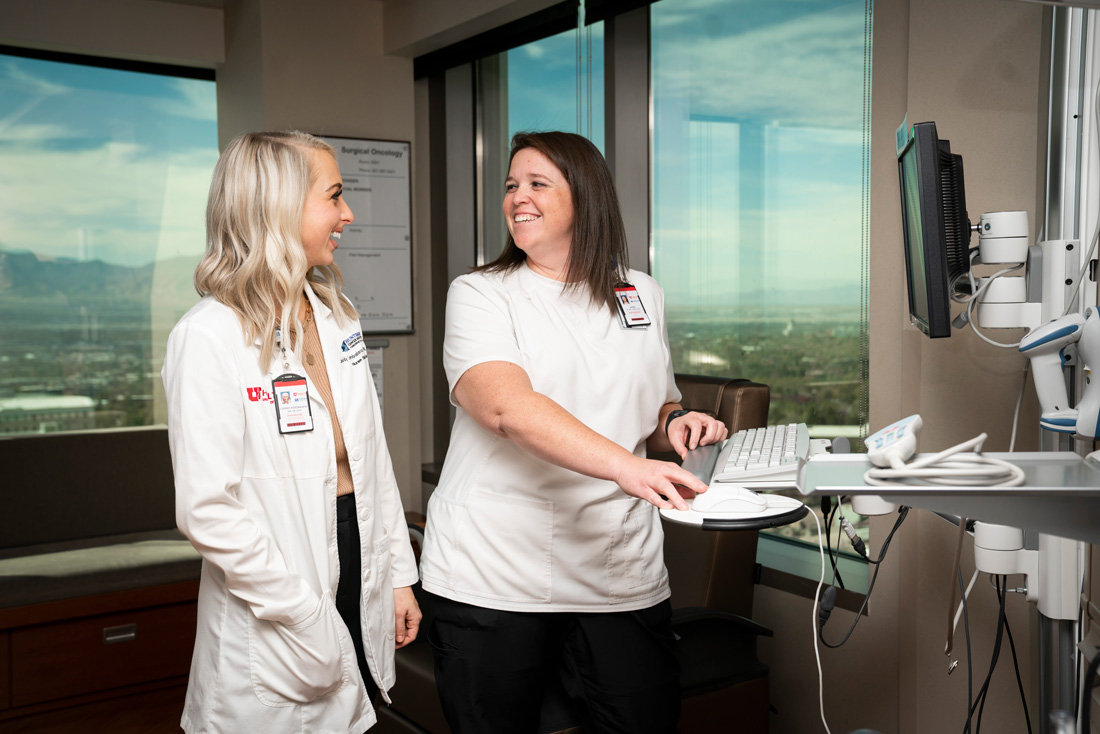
pixel 722 499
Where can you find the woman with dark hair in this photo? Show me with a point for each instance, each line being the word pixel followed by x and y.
pixel 543 549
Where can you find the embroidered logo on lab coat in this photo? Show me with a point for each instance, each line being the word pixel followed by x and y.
pixel 351 341
pixel 259 395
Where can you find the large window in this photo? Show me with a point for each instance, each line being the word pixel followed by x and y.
pixel 105 174
pixel 758 189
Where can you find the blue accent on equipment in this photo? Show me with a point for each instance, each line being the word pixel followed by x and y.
pixel 1064 331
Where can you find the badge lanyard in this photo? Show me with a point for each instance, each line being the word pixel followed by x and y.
pixel 632 313
pixel 292 411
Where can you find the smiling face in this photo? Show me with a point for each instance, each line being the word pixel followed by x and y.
pixel 325 213
pixel 538 207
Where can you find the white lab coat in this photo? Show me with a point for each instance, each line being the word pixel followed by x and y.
pixel 272 654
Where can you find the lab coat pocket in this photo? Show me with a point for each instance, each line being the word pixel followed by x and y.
pixel 506 545
pixel 296 664
pixel 634 559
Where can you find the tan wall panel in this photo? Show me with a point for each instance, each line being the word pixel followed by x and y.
pixel 415 27
pixel 160 32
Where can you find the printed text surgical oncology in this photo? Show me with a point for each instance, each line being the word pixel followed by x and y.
pixel 372 151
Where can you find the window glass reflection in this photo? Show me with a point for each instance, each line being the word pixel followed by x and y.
pixel 758 159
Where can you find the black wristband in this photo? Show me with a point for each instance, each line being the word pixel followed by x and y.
pixel 673 416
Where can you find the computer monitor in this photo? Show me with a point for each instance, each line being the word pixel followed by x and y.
pixel 935 225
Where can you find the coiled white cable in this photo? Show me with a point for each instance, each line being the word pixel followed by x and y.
pixel 950 467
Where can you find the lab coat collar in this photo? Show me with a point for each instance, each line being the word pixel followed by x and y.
pixel 320 311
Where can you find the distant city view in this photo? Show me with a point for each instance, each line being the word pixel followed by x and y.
pixel 72 329
pixel 809 357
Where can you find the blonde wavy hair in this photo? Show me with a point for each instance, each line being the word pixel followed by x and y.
pixel 254 261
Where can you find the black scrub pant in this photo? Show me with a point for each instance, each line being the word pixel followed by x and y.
pixel 491 667
pixel 349 589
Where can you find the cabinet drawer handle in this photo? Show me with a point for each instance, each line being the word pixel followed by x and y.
pixel 121 633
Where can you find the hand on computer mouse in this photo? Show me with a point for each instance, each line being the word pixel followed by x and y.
pixel 656 482
pixel 688 493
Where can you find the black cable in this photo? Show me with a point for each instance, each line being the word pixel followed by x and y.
pixel 833 557
pixel 886 544
pixel 969 667
pixel 1019 682
pixel 824 613
pixel 1086 699
pixel 1002 593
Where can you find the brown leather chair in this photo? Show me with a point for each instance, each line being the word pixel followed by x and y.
pixel 723 684
pixel 712 575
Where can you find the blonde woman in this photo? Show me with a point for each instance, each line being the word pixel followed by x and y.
pixel 291 500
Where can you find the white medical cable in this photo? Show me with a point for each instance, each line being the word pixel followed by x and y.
pixel 959 610
pixel 1019 401
pixel 817 649
pixel 951 468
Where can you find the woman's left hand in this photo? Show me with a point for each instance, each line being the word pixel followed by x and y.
pixel 408 616
pixel 694 429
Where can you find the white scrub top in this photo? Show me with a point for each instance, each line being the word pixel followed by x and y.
pixel 507 530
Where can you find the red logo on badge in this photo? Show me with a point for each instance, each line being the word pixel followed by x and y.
pixel 258 394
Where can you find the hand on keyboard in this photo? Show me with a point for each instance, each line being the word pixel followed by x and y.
pixel 695 429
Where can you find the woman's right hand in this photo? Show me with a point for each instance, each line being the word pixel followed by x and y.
pixel 659 483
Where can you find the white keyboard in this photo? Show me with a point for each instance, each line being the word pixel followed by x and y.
pixel 754 455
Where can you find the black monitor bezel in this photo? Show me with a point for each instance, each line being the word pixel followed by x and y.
pixel 934 164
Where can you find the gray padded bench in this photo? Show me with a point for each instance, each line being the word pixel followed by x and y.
pixel 80 516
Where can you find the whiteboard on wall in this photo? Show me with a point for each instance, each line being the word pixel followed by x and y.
pixel 375 252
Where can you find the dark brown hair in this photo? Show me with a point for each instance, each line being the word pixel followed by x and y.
pixel 598 253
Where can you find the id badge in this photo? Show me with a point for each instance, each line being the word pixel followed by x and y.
pixel 631 311
pixel 292 403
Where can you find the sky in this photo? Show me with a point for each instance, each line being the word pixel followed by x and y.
pixel 757 147
pixel 103 164
pixel 758 141
pixel 758 150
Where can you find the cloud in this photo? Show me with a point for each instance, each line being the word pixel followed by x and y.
pixel 194 101
pixel 107 203
pixel 806 69
pixel 17 76
pixel 19 81
pixel 30 135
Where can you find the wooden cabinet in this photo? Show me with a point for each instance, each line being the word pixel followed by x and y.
pixel 5 671
pixel 78 651
pixel 64 659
